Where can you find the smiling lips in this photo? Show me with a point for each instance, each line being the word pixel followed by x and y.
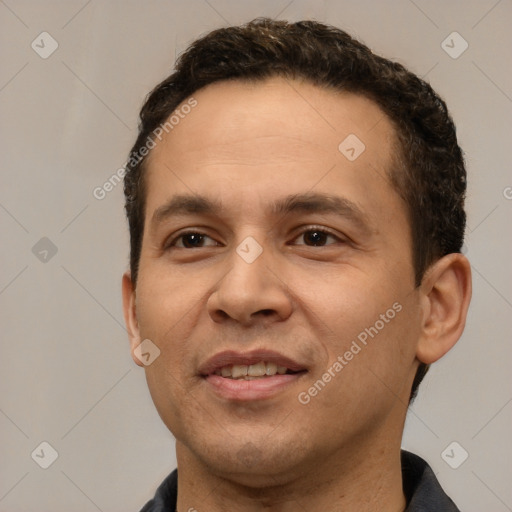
pixel 251 376
pixel 253 371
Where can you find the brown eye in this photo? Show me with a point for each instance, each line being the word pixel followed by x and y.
pixel 314 237
pixel 190 240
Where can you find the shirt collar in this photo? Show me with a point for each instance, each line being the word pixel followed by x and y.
pixel 422 490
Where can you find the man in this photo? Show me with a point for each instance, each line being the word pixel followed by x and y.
pixel 296 212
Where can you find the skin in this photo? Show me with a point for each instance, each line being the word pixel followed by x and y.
pixel 248 145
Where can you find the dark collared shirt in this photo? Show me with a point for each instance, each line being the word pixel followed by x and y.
pixel 421 489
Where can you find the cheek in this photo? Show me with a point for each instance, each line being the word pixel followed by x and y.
pixel 371 349
pixel 165 299
pixel 379 360
pixel 165 316
pixel 353 304
pixel 171 396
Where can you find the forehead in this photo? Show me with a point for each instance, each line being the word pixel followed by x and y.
pixel 258 139
pixel 241 112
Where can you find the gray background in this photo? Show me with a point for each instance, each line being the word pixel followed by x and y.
pixel 67 124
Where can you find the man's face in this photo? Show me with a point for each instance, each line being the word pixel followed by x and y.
pixel 327 282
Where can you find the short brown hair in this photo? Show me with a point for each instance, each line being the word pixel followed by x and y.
pixel 429 176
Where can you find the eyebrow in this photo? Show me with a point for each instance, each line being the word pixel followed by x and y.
pixel 189 204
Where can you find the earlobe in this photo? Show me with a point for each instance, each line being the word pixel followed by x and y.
pixel 445 296
pixel 130 315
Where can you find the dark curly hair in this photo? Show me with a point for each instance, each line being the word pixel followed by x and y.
pixel 429 174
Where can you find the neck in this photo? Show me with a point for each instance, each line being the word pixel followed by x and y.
pixel 352 479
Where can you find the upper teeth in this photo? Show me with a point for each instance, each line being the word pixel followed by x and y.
pixel 241 371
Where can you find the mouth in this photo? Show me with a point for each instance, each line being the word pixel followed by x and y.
pixel 251 376
pixel 259 370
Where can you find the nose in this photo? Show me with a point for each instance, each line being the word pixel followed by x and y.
pixel 250 293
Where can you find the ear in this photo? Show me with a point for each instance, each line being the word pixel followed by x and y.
pixel 130 315
pixel 445 295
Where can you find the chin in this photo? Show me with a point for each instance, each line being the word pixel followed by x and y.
pixel 252 463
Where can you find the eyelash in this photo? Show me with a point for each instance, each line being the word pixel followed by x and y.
pixel 313 228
